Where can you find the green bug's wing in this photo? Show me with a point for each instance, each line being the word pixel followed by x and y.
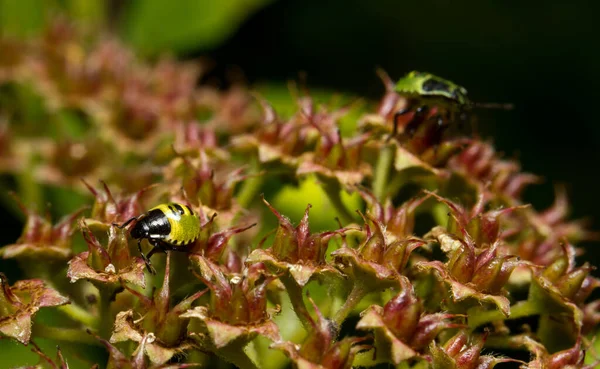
pixel 411 84
pixel 427 85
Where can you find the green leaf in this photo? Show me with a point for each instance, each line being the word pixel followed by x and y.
pixel 292 202
pixel 154 26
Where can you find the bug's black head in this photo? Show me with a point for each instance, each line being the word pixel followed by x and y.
pixel 139 230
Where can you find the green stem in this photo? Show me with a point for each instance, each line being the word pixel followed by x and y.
pixel 358 292
pixel 519 310
pixel 105 323
pixel 9 203
pixel 332 190
pixel 73 335
pixel 297 299
pixel 251 186
pixel 78 314
pixel 29 190
pixel 236 355
pixel 382 170
pixel 503 343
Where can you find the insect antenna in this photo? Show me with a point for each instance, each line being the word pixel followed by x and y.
pixel 501 106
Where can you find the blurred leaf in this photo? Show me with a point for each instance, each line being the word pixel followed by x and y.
pixel 154 26
pixel 292 201
pixel 92 12
pixel 23 17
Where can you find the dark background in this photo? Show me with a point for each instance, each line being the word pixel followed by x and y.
pixel 542 56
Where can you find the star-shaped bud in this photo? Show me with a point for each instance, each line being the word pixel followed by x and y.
pixel 137 360
pixel 463 351
pixel 157 351
pixel 398 222
pixel 472 274
pixel 401 327
pixel 213 241
pixel 552 223
pixel 477 226
pixel 191 138
pixel 20 302
pixel 41 239
pixel 376 263
pixel 321 349
pixel 205 181
pixel 334 157
pixel 383 119
pixel 232 111
pixel 476 268
pixel 560 287
pixel 571 358
pixel 481 166
pixel 158 317
pixel 296 250
pixel 276 140
pixel 106 266
pixel 108 210
pixel 174 84
pixel 297 256
pixel 237 312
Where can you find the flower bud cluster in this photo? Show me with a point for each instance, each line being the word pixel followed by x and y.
pixel 437 248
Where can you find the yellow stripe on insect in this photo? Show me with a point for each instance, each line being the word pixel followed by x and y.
pixel 185 225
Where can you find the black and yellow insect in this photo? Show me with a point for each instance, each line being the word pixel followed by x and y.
pixel 167 227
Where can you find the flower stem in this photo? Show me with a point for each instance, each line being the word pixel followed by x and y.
pixel 332 190
pixel 251 186
pixel 28 188
pixel 74 335
pixel 296 298
pixel 105 323
pixel 358 292
pixel 382 170
pixel 78 314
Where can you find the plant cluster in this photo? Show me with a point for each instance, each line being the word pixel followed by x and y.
pixel 437 260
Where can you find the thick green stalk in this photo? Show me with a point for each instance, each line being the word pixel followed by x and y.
pixel 251 186
pixel 382 170
pixel 297 299
pixel 356 295
pixel 73 335
pixel 79 314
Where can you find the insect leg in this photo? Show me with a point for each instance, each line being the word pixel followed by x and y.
pixel 397 115
pixel 159 245
pixel 126 223
pixel 146 258
pixel 437 131
pixel 417 119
